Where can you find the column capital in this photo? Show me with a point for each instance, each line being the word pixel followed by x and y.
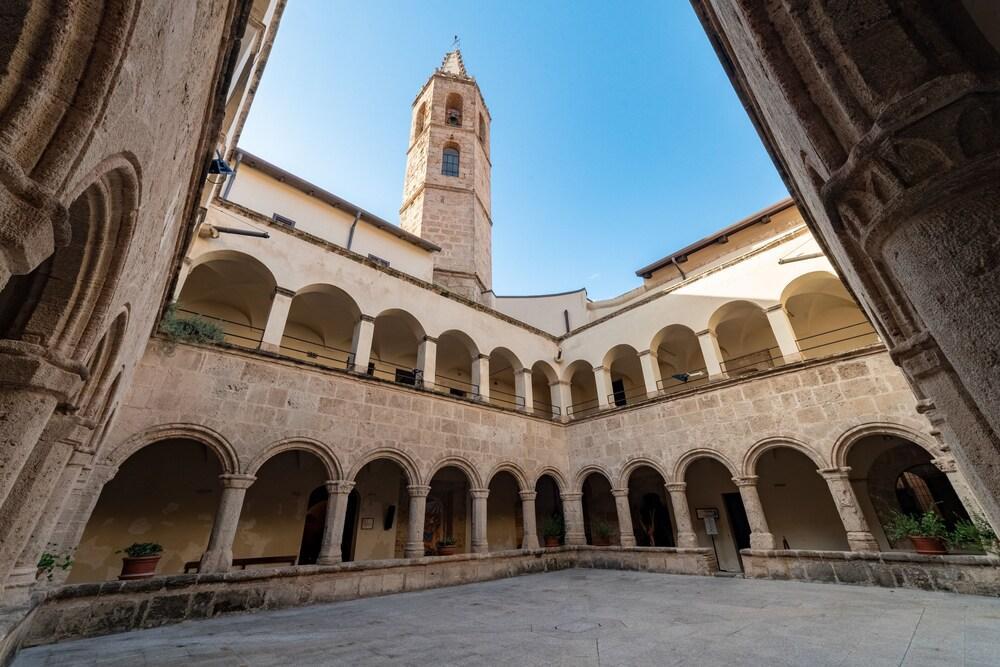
pixel 418 490
pixel 430 339
pixel 619 493
pixel 236 481
pixel 367 318
pixel 771 309
pixel 598 369
pixel 479 493
pixel 558 383
pixel 526 371
pixel 750 480
pixel 835 473
pixel 528 495
pixel 339 486
pixel 482 356
pixel 643 353
pixel 284 291
pixel 704 332
pixel 945 464
pixel 676 487
pixel 569 496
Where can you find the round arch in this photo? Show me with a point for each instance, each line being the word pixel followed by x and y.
pixel 749 466
pixel 225 452
pixel 463 464
pixel 586 471
pixel 846 440
pixel 631 465
pixel 411 322
pixel 302 444
pixel 395 455
pixel 546 369
pixel 509 356
pixel 806 282
pixel 515 470
pixel 618 352
pixel 685 461
pixel 463 338
pixel 554 474
pixel 333 290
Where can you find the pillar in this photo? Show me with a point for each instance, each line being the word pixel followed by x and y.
pixel 781 326
pixel 361 344
pixel 427 361
pixel 573 516
pixel 530 538
pixel 859 535
pixel 218 557
pixel 562 398
pixel 415 530
pixel 626 534
pixel 524 389
pixel 713 355
pixel 760 535
pixel 650 372
pixel 480 544
pixel 686 537
pixel 946 464
pixel 182 275
pixel 481 376
pixel 276 319
pixel 336 514
pixel 602 379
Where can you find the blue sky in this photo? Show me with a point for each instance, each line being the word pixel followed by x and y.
pixel 616 136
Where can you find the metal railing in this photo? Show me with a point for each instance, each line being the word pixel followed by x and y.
pixel 506 399
pixel 236 333
pixel 399 374
pixel 850 337
pixel 546 410
pixel 583 408
pixel 680 381
pixel 326 355
pixel 620 399
pixel 446 385
pixel 754 362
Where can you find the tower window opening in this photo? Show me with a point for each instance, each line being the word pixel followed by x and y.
pixel 449 162
pixel 453 110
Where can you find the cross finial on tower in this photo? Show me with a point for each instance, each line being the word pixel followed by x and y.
pixel 456 44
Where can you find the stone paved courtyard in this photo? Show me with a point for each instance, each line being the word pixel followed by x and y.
pixel 580 617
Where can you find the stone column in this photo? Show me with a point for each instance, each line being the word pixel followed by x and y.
pixel 481 376
pixel 336 514
pixel 182 275
pixel 276 319
pixel 859 535
pixel 530 538
pixel 361 344
pixel 415 529
pixel 573 516
pixel 686 537
pixel 480 544
pixel 218 557
pixel 712 354
pixel 602 379
pixel 760 535
pixel 783 333
pixel 626 533
pixel 427 361
pixel 650 372
pixel 946 464
pixel 524 389
pixel 562 398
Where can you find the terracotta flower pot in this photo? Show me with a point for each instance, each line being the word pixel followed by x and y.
pixel 928 545
pixel 551 542
pixel 141 567
pixel 449 550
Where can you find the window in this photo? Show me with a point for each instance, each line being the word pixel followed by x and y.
pixel 453 110
pixel 449 162
pixel 282 220
pixel 482 128
pixel 419 124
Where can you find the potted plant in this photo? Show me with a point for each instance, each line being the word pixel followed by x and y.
pixel 140 560
pixel 552 530
pixel 927 532
pixel 602 533
pixel 975 534
pixel 447 546
pixel 50 562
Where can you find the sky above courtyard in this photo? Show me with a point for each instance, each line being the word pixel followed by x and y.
pixel 616 136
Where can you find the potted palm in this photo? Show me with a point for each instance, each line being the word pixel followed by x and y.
pixel 552 530
pixel 447 546
pixel 601 533
pixel 140 560
pixel 927 532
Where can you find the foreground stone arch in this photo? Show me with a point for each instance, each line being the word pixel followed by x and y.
pixel 303 444
pixel 749 466
pixel 685 461
pixel 222 448
pixel 398 456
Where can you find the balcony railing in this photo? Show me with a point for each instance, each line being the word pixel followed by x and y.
pixel 506 399
pixel 681 381
pixel 842 339
pixel 583 408
pixel 334 357
pixel 236 333
pixel 620 399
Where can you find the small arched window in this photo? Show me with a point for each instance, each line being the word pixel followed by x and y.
pixel 449 161
pixel 482 127
pixel 453 110
pixel 418 123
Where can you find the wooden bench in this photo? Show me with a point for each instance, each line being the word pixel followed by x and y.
pixel 242 563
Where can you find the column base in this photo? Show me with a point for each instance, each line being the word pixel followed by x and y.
pixel 763 541
pixel 483 548
pixel 687 540
pixel 627 540
pixel 330 560
pixel 18 587
pixel 576 538
pixel 412 550
pixel 862 541
pixel 269 347
pixel 530 544
pixel 216 561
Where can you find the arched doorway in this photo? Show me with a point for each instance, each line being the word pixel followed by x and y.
pixel 710 487
pixel 383 510
pixel 650 507
pixel 548 507
pixel 448 516
pixel 600 514
pixel 504 518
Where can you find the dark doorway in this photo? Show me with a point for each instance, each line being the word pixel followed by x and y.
pixel 738 522
pixel 312 531
pixel 350 527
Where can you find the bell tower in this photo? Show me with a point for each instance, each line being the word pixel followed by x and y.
pixel 446 193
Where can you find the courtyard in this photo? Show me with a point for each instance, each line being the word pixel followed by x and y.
pixel 580 617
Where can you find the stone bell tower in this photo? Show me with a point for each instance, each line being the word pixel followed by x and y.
pixel 446 194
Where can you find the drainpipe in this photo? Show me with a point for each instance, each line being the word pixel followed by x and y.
pixel 678 266
pixel 350 234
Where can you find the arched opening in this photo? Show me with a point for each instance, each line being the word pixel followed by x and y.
pixel 506 373
pixel 453 110
pixel 450 160
pixel 543 376
pixel 824 317
pixel 275 525
pixel 396 341
pixel 797 502
pixel 320 326
pixel 382 512
pixel 448 518
pixel 504 517
pixel 233 290
pixel 600 514
pixel 892 474
pixel 711 491
pixel 549 519
pixel 456 356
pixel 745 338
pixel 625 372
pixel 679 358
pixel 167 493
pixel 650 507
pixel 419 119
pixel 482 129
pixel 582 390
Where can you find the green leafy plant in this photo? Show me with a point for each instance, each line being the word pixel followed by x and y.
pixel 553 526
pixel 195 329
pixel 447 542
pixel 974 533
pixel 140 549
pixel 602 529
pixel 928 524
pixel 50 562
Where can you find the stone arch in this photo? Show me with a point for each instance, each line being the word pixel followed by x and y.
pixel 638 462
pixel 556 476
pixel 463 464
pixel 753 454
pixel 226 453
pixel 302 444
pixel 401 458
pixel 506 353
pixel 232 287
pixel 515 470
pixel 588 470
pixel 848 438
pixel 545 368
pixel 689 457
pixel 410 321
pixel 102 365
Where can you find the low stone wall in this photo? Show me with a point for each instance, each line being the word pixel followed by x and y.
pixel 90 610
pixel 973 575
